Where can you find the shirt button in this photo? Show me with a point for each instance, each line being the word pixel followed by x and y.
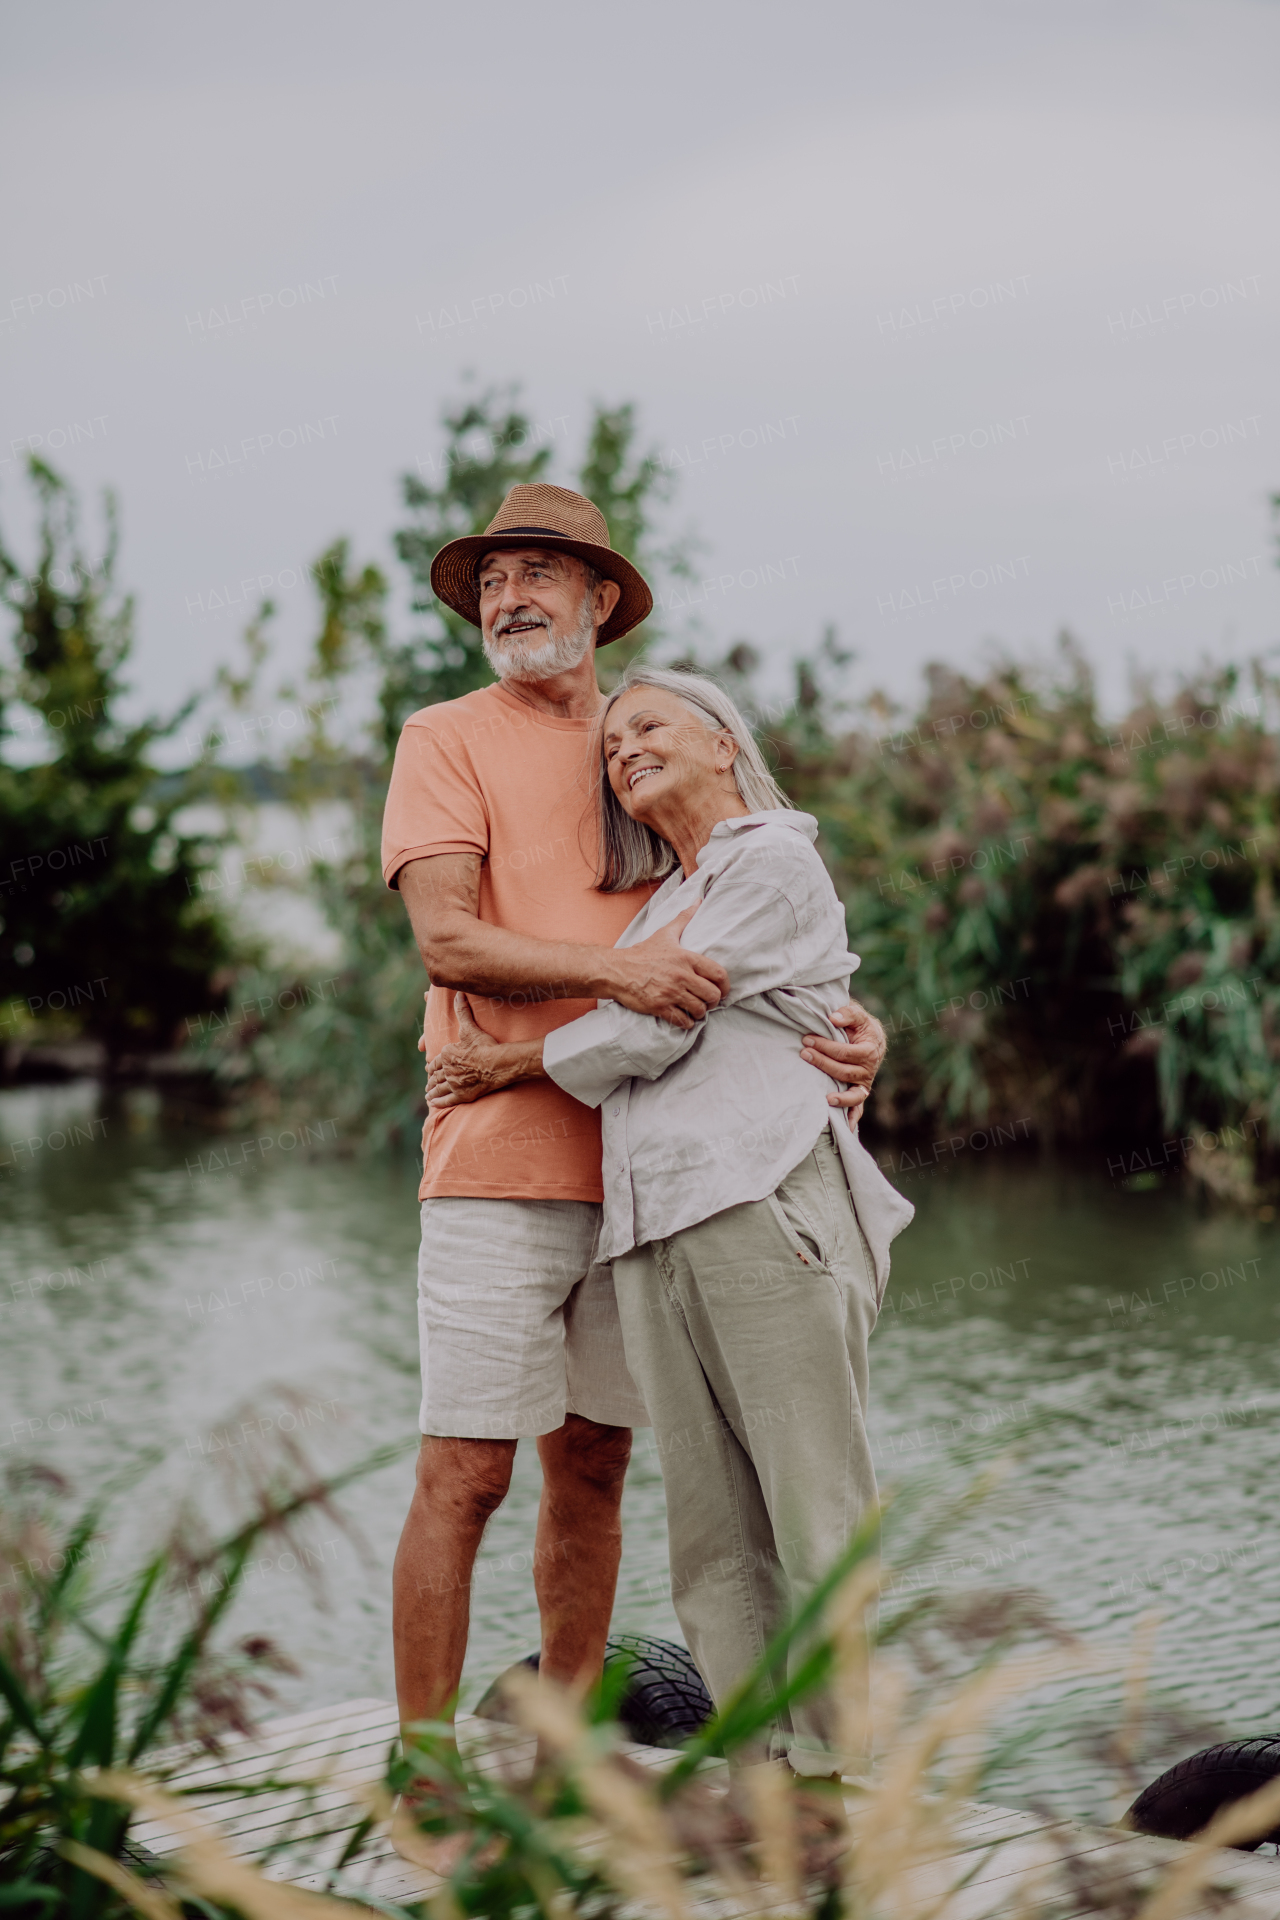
pixel 615 1111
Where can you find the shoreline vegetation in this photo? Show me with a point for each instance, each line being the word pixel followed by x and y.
pixel 1067 922
pixel 113 1684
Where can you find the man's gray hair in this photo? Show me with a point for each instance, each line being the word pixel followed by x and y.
pixel 630 852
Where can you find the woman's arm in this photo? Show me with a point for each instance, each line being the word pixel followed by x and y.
pixel 590 1055
pixel 770 917
pixel 475 1063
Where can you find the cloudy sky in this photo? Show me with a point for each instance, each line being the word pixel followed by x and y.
pixel 957 321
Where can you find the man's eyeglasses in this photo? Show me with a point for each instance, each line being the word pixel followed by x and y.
pixel 492 584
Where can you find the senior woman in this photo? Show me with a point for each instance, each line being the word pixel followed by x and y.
pixel 749 1229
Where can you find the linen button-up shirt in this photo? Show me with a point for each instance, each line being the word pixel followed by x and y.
pixel 695 1120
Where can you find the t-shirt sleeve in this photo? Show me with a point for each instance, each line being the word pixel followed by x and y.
pixel 434 803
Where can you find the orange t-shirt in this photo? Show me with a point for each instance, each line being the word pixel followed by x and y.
pixel 488 774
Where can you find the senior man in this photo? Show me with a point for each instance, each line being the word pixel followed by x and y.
pixel 490 835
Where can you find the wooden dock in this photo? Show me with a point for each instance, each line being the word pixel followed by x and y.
pixel 1002 1857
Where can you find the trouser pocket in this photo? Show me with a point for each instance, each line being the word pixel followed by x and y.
pixel 802 1220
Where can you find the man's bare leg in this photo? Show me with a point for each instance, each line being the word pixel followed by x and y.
pixel 579 1544
pixel 460 1483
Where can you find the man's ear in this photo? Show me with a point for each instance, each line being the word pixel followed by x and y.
pixel 608 594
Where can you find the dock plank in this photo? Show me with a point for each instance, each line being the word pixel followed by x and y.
pixel 322 1763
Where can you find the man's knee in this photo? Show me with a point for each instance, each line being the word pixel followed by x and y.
pixel 470 1476
pixel 584 1451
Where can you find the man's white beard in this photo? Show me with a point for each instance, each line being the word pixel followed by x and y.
pixel 519 661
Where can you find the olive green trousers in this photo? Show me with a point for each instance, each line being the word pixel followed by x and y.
pixel 747 1337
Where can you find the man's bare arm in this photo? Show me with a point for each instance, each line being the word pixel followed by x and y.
pixel 459 950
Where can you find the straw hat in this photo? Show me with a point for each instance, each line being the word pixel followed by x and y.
pixel 540 515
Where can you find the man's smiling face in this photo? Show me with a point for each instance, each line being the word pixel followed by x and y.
pixel 538 614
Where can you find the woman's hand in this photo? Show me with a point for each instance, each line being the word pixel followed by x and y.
pixel 476 1064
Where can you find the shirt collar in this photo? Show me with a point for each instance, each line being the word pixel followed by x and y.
pixel 772 817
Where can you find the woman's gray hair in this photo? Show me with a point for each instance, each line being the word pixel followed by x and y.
pixel 630 852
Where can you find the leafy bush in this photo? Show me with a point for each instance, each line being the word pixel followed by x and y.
pixel 1063 921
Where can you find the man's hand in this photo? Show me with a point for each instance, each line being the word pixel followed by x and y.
pixel 854 1061
pixel 475 1063
pixel 661 977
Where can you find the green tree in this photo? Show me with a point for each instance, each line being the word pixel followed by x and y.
pixel 104 912
pixel 627 486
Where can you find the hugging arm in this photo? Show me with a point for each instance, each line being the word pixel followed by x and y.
pixel 749 931
pixel 657 976
pixel 591 1055
pixel 475 1063
pixel 748 924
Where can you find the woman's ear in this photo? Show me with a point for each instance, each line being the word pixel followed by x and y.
pixel 726 751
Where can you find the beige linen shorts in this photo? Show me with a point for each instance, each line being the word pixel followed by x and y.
pixel 517 1321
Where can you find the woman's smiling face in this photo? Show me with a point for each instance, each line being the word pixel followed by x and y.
pixel 658 754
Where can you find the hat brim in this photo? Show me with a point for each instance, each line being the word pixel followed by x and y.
pixel 453 575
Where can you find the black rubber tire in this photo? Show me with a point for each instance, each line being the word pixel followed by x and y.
pixel 666 1700
pixel 1183 1801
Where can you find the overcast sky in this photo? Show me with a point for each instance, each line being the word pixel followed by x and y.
pixel 959 321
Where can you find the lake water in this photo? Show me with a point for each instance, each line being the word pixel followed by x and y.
pixel 1121 1345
